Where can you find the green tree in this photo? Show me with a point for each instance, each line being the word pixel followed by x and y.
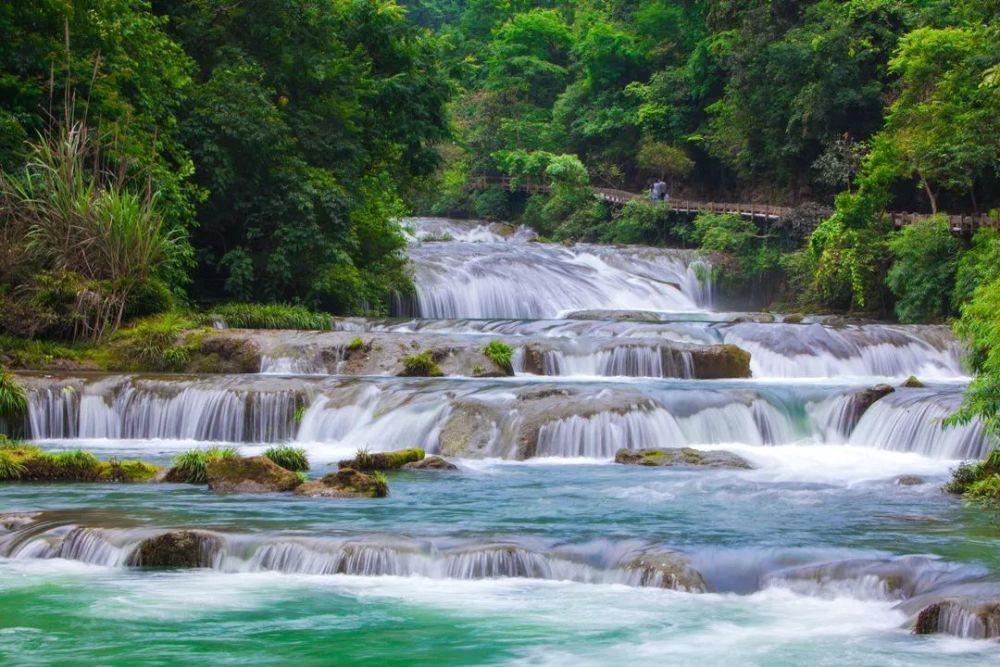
pixel 922 275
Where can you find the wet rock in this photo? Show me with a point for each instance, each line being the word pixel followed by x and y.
pixel 758 318
pixel 682 457
pixel 532 360
pixel 665 570
pixel 865 398
pixel 793 318
pixel 257 474
pixel 910 480
pixel 223 353
pixel 431 463
pixel 469 429
pixel 913 383
pixel 963 617
pixel 719 362
pixel 622 315
pixel 345 483
pixel 368 461
pixel 181 549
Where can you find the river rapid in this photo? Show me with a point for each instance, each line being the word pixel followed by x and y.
pixel 540 549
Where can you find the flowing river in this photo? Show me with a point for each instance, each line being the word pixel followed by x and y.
pixel 540 550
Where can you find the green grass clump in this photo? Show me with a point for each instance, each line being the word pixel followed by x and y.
pixel 13 397
pixel 380 477
pixel 154 344
pixel 190 466
pixel 421 365
pixel 355 345
pixel 76 460
pixel 126 471
pixel 38 354
pixel 267 316
pixel 289 458
pixel 10 467
pixel 985 490
pixel 500 354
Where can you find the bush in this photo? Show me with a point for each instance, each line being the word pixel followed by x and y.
pixel 420 365
pixel 152 345
pixel 977 266
pixel 289 458
pixel 500 354
pixel 13 397
pixel 492 204
pixel 639 221
pixel 191 466
pixel 922 275
pixel 267 316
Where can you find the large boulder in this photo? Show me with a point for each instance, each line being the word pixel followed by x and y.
pixel 345 483
pixel 665 570
pixel 180 549
pixel 719 362
pixel 684 457
pixel 431 463
pixel 257 474
pixel 366 461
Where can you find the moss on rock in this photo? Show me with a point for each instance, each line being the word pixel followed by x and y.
pixel 682 457
pixel 257 474
pixel 666 570
pixel 27 463
pixel 431 463
pixel 718 362
pixel 345 483
pixel 366 461
pixel 180 549
pixel 420 365
pixel 913 383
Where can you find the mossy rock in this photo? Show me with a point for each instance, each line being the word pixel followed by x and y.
pixel 666 570
pixel 257 474
pixel 383 460
pixel 962 617
pixel 127 472
pixel 420 365
pixel 913 383
pixel 34 465
pixel 180 549
pixel 719 362
pixel 682 457
pixel 345 483
pixel 431 463
pixel 793 318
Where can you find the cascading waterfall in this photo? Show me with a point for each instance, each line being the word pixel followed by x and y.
pixel 384 414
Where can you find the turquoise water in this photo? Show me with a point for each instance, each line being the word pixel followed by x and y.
pixel 802 506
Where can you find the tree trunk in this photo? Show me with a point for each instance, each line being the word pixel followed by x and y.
pixel 930 194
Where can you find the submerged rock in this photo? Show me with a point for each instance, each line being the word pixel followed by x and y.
pixel 910 480
pixel 345 483
pixel 682 457
pixel 621 315
pixel 181 549
pixel 666 570
pixel 366 461
pixel 431 463
pixel 257 474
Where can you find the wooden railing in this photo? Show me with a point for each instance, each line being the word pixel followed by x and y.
pixel 959 224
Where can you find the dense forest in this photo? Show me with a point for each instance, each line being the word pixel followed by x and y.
pixel 164 154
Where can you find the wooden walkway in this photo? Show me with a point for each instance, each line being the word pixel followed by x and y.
pixel 960 224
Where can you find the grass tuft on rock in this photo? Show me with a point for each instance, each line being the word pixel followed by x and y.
pixel 366 461
pixel 13 397
pixel 26 463
pixel 154 344
pixel 267 316
pixel 289 458
pixel 421 365
pixel 190 467
pixel 500 354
